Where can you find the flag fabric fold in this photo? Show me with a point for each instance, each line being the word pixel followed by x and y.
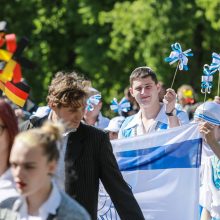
pixel 162 169
pixel 16 92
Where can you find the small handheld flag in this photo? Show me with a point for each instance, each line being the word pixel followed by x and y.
pixel 123 106
pixel 215 66
pixel 178 55
pixel 207 80
pixel 92 101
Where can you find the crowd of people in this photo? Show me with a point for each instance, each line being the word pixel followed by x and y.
pixel 52 165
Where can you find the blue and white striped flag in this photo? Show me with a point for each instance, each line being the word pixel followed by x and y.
pixel 162 169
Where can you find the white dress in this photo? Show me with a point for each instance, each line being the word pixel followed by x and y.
pixel 210 188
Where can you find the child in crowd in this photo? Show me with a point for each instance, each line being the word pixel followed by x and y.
pixel 187 99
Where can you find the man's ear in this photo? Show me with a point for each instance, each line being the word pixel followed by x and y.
pixel 158 87
pixel 52 105
pixel 52 167
pixel 131 91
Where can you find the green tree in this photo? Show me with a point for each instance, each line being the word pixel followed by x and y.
pixel 105 40
pixel 142 32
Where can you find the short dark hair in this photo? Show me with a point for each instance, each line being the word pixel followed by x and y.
pixel 143 72
pixel 67 90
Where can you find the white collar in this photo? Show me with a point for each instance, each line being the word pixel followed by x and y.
pixel 69 131
pixel 50 206
pixel 161 117
pixel 53 202
pixel 135 121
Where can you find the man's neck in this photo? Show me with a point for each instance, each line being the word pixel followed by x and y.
pixel 90 120
pixel 150 112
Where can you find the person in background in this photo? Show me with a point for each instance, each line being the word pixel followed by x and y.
pixel 86 153
pixel 187 100
pixel 114 127
pixel 163 91
pixel 208 112
pixel 153 115
pixel 93 115
pixel 33 160
pixel 217 99
pixel 8 131
pixel 208 115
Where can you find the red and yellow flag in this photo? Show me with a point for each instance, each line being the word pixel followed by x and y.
pixel 16 92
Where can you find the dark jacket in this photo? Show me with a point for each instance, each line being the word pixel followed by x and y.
pixel 88 159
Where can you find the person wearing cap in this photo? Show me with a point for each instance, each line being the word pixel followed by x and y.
pixel 208 115
pixel 114 127
pixel 153 115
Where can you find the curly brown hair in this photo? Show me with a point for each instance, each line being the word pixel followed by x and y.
pixel 67 90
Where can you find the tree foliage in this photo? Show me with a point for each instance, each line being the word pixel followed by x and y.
pixel 105 40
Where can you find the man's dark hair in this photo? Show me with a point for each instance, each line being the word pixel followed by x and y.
pixel 143 72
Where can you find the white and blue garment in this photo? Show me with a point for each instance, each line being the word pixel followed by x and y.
pixel 210 112
pixel 162 169
pixel 210 189
pixel 133 125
